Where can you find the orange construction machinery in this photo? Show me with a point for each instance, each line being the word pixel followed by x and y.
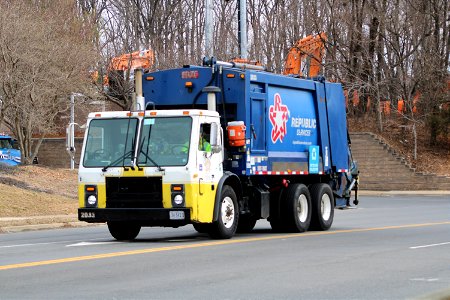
pixel 305 57
pixel 143 59
pixel 139 59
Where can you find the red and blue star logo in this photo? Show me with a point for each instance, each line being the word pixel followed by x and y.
pixel 278 115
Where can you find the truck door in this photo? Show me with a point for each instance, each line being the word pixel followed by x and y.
pixel 210 171
pixel 257 126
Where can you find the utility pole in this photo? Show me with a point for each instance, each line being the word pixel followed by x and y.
pixel 209 28
pixel 242 28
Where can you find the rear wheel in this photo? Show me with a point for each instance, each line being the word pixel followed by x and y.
pixel 298 209
pixel 322 206
pixel 226 225
pixel 124 231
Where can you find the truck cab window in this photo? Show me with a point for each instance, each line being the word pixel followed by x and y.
pixel 204 143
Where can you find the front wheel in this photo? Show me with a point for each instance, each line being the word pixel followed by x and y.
pixel 226 225
pixel 246 223
pixel 123 231
pixel 202 227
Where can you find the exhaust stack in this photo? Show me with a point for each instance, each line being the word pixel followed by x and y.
pixel 211 91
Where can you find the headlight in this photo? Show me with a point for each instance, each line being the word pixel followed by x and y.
pixel 178 199
pixel 92 200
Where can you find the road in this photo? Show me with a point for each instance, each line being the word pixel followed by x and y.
pixel 388 248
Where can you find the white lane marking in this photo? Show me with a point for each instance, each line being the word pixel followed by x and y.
pixel 430 245
pixel 81 244
pixel 425 279
pixel 39 244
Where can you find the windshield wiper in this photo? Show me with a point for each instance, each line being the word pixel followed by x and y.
pixel 152 161
pixel 121 158
pixel 148 157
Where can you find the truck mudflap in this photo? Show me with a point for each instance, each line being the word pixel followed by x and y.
pixel 145 216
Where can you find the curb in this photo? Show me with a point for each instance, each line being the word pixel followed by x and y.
pixel 402 193
pixel 19 224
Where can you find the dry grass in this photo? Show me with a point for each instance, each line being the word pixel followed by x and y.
pixel 37 191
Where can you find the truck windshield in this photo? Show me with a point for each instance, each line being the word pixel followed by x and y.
pixel 5 143
pixel 110 142
pixel 165 141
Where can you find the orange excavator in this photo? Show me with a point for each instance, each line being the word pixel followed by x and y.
pixel 139 59
pixel 304 59
pixel 143 59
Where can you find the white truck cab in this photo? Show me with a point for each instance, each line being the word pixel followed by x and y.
pixel 151 168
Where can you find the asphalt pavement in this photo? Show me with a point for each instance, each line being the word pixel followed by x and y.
pixel 390 247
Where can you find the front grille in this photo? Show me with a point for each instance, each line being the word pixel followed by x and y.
pixel 134 192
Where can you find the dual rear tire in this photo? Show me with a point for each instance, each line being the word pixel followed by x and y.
pixel 301 208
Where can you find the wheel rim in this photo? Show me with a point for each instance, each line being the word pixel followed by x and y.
pixel 302 208
pixel 325 207
pixel 227 209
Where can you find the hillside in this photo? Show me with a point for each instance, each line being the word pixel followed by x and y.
pixel 430 159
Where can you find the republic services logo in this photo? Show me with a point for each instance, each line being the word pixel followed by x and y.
pixel 278 115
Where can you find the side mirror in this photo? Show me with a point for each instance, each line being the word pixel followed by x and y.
pixel 70 139
pixel 216 144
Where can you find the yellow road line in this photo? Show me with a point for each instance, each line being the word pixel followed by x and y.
pixel 208 244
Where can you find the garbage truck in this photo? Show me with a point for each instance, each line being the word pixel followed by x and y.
pixel 219 146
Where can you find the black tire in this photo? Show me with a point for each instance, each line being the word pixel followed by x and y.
pixel 322 206
pixel 123 231
pixel 246 223
pixel 277 225
pixel 276 211
pixel 202 227
pixel 226 225
pixel 297 212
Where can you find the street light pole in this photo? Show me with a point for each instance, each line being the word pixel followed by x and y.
pixel 72 132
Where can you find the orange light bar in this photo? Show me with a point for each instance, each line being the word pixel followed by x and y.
pixel 129 114
pixel 90 189
pixel 98 115
pixel 230 75
pixel 141 113
pixel 153 113
pixel 185 112
pixel 176 188
pixel 189 84
pixel 149 78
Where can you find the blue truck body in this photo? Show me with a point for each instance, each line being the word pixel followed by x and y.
pixel 8 155
pixel 294 126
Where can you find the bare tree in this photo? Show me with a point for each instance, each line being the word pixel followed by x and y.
pixel 46 55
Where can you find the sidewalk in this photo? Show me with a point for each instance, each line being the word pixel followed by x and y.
pixel 17 224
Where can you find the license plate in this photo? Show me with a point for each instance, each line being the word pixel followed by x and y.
pixel 176 215
pixel 87 215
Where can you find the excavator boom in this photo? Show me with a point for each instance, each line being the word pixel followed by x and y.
pixel 305 57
